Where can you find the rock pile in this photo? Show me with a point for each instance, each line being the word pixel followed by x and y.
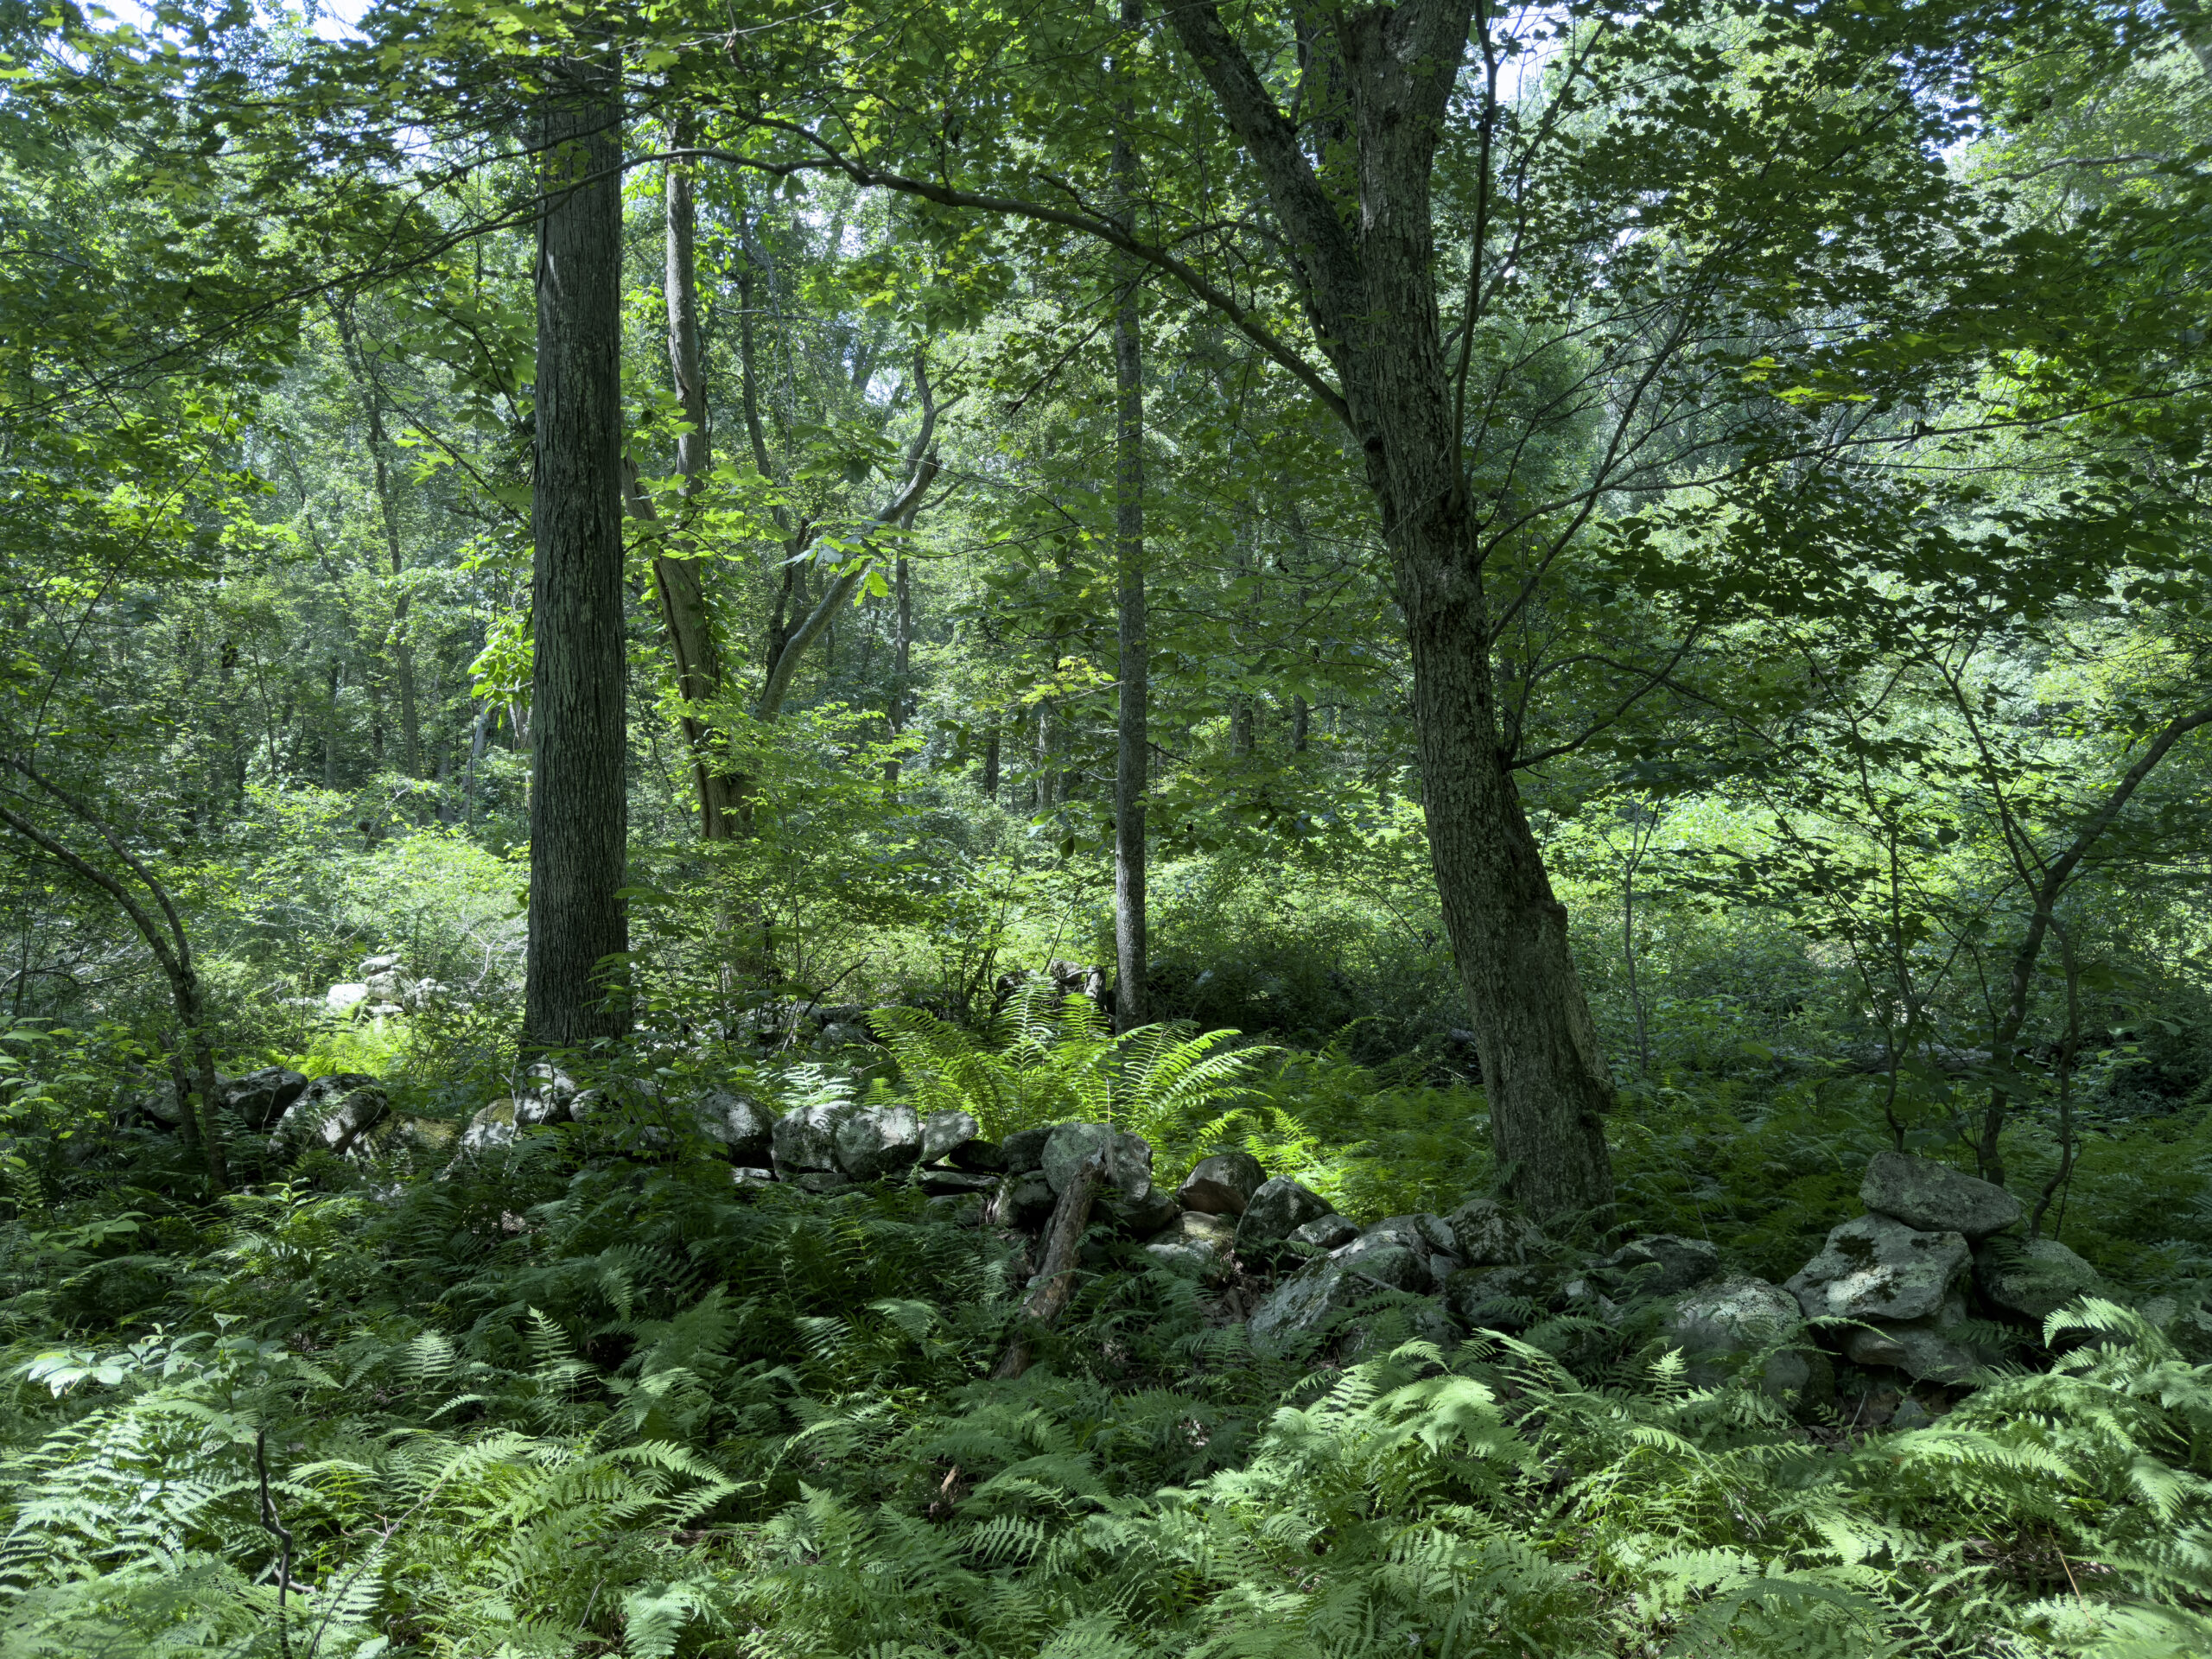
pixel 1898 1288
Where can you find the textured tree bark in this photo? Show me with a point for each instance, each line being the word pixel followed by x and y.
pixel 1133 699
pixel 1368 266
pixel 1053 1288
pixel 991 767
pixel 579 815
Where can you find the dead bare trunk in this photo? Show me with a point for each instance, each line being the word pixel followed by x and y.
pixel 1054 1287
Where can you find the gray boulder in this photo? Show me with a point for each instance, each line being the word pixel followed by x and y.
pixel 1496 1299
pixel 879 1140
pixel 1729 1318
pixel 1935 1198
pixel 1025 1201
pixel 1025 1149
pixel 335 1113
pixel 544 1096
pixel 491 1128
pixel 1664 1264
pixel 1198 1246
pixel 1222 1185
pixel 1279 1208
pixel 746 1129
pixel 1330 1233
pixel 807 1139
pixel 1387 1261
pixel 2033 1280
pixel 260 1098
pixel 819 1181
pixel 939 1182
pixel 945 1133
pixel 1876 1269
pixel 1304 1305
pixel 742 1176
pixel 1933 1348
pixel 1140 1217
pixel 1490 1235
pixel 1128 1159
pixel 984 1157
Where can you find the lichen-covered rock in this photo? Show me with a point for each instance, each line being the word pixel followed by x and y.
pixel 2033 1280
pixel 1025 1149
pixel 1206 1228
pixel 1304 1305
pixel 1878 1268
pixel 807 1139
pixel 1664 1264
pixel 1279 1208
pixel 746 1129
pixel 945 1133
pixel 260 1098
pixel 1933 1348
pixel 1386 1263
pixel 1490 1235
pixel 1330 1232
pixel 545 1095
pixel 1221 1185
pixel 743 1176
pixel 1496 1299
pixel 879 1140
pixel 1196 1246
pixel 335 1113
pixel 1727 1319
pixel 1935 1198
pixel 492 1128
pixel 819 1181
pixel 1128 1159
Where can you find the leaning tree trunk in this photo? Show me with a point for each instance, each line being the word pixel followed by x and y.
pixel 1370 267
pixel 579 815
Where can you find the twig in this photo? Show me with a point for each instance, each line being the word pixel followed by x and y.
pixel 269 1519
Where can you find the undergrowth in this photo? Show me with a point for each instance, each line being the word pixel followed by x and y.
pixel 570 1403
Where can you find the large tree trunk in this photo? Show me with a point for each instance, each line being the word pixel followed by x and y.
pixel 579 815
pixel 1130 968
pixel 1388 73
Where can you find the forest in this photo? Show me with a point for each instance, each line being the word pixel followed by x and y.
pixel 1219 829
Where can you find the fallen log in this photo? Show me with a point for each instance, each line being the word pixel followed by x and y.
pixel 1054 1284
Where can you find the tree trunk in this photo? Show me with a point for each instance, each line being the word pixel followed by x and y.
pixel 579 813
pixel 679 578
pixel 1133 701
pixel 1368 267
pixel 991 767
pixel 902 658
pixel 403 652
pixel 172 949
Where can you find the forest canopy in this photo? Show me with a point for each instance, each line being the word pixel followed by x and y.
pixel 1124 830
